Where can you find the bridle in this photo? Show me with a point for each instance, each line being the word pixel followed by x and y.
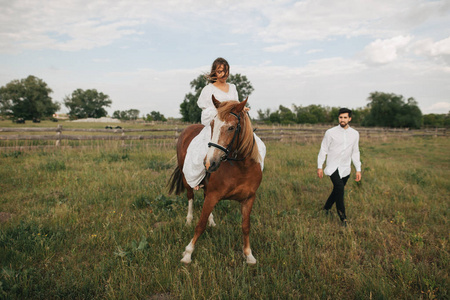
pixel 237 133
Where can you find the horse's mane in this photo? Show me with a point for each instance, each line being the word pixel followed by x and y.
pixel 247 144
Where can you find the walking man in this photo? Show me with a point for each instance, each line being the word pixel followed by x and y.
pixel 339 148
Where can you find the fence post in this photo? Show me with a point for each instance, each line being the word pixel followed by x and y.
pixel 123 139
pixel 58 135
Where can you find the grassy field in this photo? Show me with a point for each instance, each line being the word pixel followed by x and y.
pixel 97 223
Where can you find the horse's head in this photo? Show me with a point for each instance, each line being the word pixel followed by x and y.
pixel 231 130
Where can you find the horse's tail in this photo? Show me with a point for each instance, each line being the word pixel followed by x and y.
pixel 176 182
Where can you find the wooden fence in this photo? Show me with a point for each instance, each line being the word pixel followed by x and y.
pixel 297 133
pixel 317 132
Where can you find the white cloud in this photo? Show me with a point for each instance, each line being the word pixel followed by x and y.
pixel 324 19
pixel 386 51
pixel 439 107
pixel 439 50
pixel 61 25
pixel 281 47
pixel 312 51
pixel 88 24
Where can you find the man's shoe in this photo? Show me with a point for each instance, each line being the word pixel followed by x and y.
pixel 327 212
pixel 344 223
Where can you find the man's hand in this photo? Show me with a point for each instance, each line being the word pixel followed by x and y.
pixel 358 176
pixel 246 109
pixel 320 173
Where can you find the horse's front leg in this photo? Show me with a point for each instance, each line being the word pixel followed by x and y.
pixel 246 209
pixel 208 206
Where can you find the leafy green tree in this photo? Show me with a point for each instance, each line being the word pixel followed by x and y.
pixel 304 115
pixel 391 110
pixel 333 115
pixel 27 98
pixel 155 116
pixel 319 112
pixel 436 120
pixel 243 85
pixel 87 104
pixel 131 114
pixel 189 109
pixel 264 115
pixel 359 114
pixel 286 115
pixel 275 117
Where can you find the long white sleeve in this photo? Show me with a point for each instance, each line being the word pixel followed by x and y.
pixel 323 151
pixel 205 99
pixel 356 155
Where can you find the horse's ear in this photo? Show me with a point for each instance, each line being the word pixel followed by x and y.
pixel 241 106
pixel 215 101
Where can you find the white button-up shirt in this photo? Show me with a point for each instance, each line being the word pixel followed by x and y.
pixel 339 147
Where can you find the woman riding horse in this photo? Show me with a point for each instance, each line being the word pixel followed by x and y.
pixel 233 163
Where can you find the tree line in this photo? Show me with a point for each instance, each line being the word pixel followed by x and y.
pixel 382 110
pixel 30 99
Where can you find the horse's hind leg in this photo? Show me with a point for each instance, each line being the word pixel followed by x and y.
pixel 190 214
pixel 246 209
pixel 211 222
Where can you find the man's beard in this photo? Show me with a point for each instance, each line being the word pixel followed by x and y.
pixel 344 124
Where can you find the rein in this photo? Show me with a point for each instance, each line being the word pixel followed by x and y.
pixel 227 149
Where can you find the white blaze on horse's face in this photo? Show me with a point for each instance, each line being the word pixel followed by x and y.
pixel 221 136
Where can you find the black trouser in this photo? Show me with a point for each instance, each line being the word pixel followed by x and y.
pixel 337 195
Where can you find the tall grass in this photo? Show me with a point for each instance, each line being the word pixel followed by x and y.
pixel 97 223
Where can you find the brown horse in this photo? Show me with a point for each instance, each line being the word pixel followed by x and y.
pixel 232 165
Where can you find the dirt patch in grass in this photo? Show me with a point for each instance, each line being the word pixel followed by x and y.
pixel 4 217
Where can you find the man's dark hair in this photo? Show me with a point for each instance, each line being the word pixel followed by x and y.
pixel 345 110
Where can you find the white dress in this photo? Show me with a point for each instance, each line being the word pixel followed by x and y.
pixel 193 168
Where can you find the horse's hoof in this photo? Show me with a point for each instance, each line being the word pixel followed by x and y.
pixel 186 260
pixel 251 260
pixel 211 222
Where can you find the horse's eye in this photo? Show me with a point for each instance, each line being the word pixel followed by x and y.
pixel 231 128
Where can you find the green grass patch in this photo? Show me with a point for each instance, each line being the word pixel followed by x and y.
pixel 97 223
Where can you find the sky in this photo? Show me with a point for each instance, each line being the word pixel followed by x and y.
pixel 144 54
